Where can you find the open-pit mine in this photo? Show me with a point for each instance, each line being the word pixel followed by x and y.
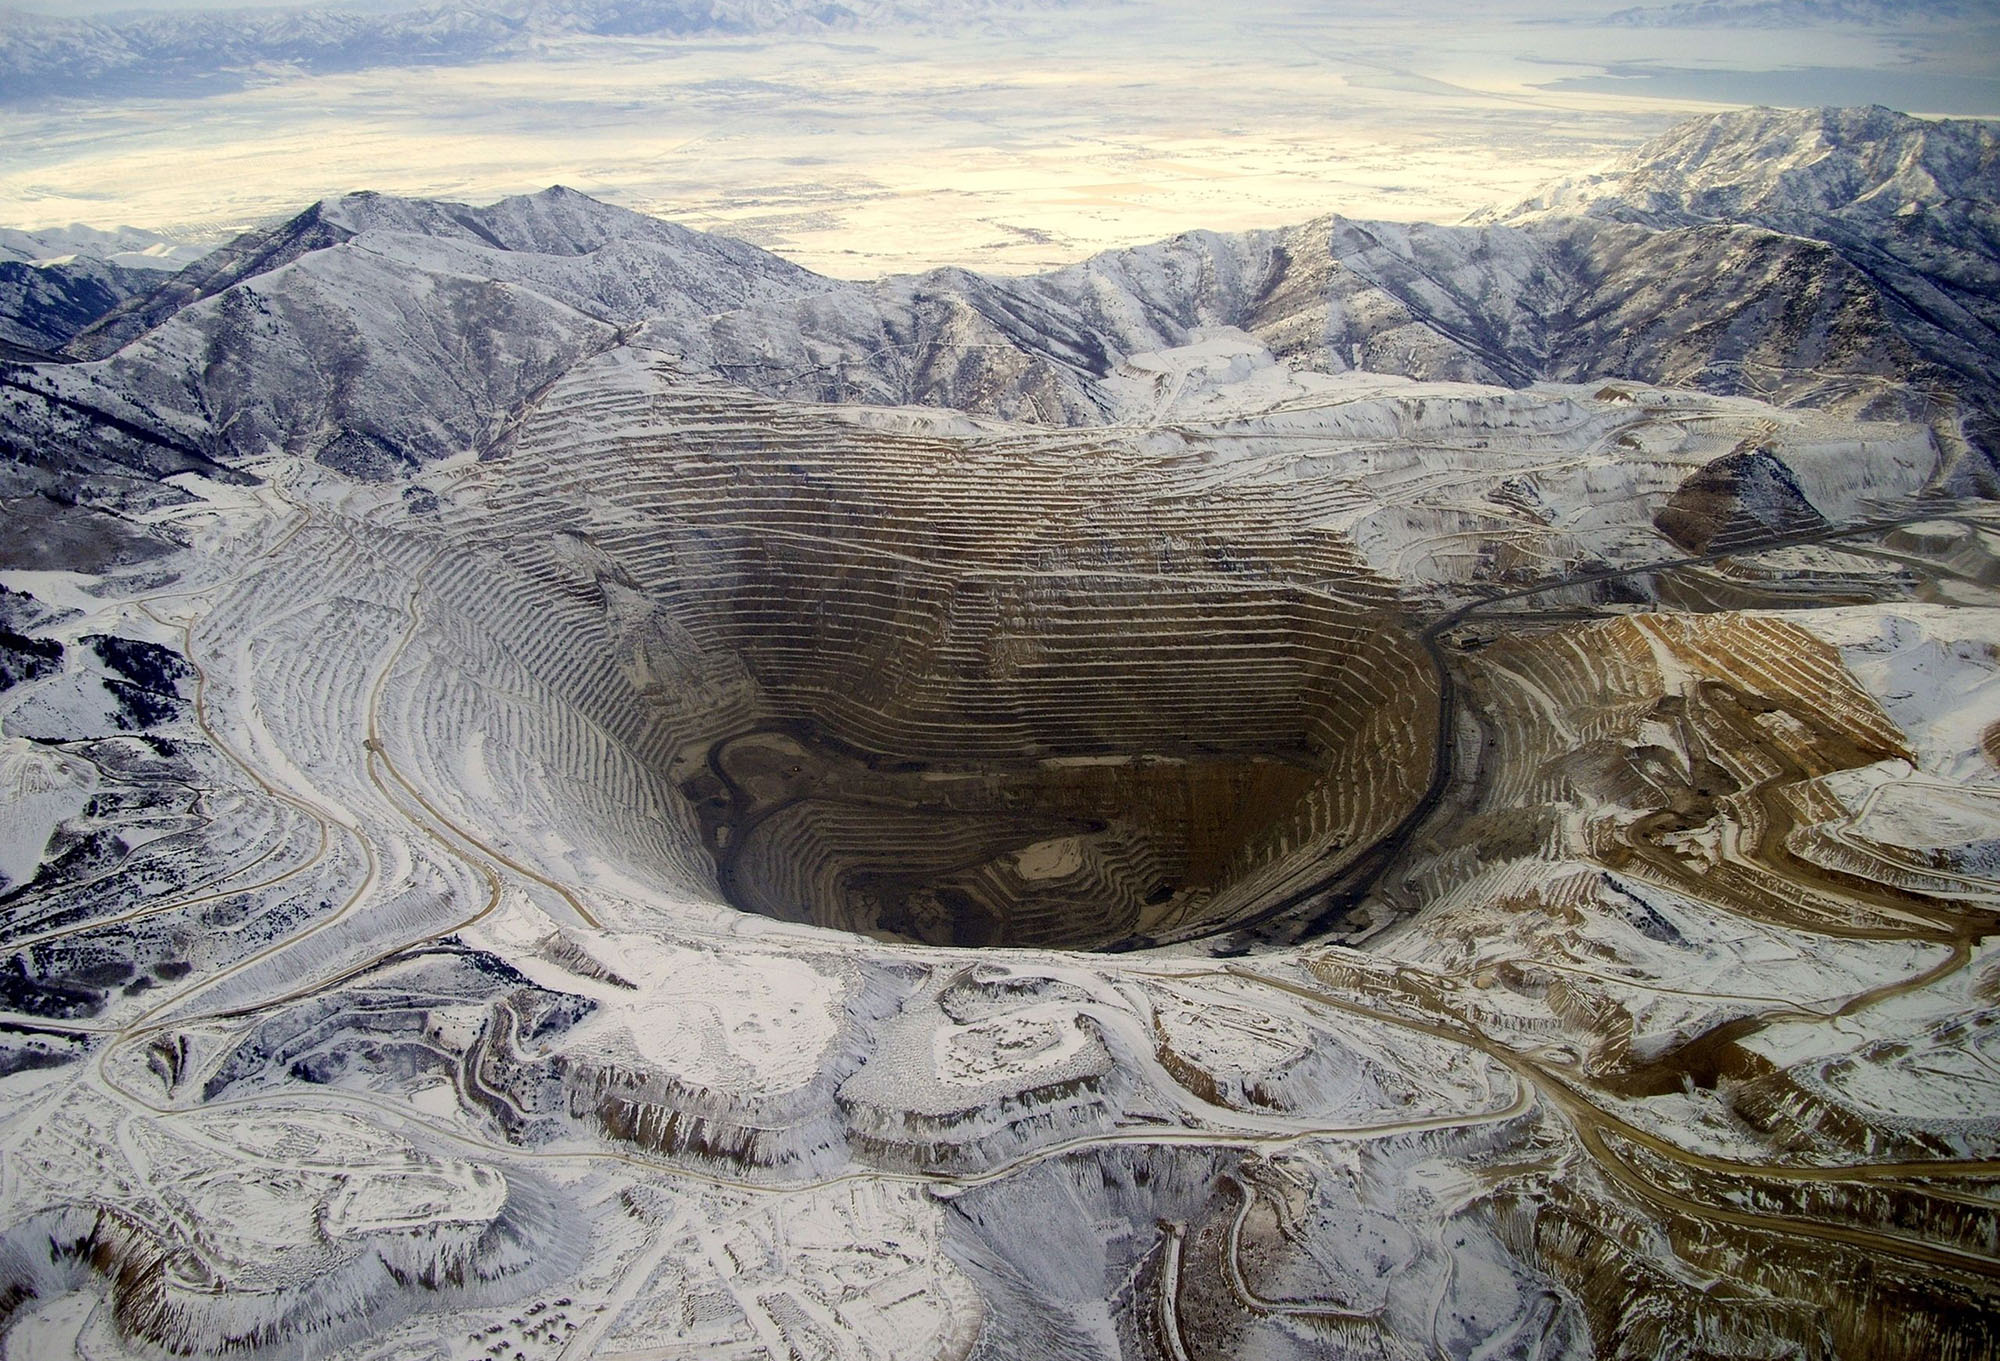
pixel 571 789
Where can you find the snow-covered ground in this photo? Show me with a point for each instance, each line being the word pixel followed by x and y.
pixel 1549 829
pixel 447 1038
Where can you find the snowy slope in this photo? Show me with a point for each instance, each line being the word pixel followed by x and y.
pixel 1911 204
pixel 373 331
pixel 1794 170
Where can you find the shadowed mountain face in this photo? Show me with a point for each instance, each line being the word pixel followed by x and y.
pixel 1907 205
pixel 43 307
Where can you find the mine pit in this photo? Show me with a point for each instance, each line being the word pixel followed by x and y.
pixel 960 688
pixel 979 776
pixel 1093 851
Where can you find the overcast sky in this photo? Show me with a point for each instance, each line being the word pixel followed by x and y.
pixel 94 8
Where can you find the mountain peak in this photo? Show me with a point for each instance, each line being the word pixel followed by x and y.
pixel 1773 166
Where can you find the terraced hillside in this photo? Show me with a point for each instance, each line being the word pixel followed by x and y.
pixel 969 687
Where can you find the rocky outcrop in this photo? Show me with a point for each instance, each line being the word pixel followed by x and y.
pixel 1742 498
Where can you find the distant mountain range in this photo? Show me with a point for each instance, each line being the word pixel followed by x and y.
pixel 54 283
pixel 1846 259
pixel 128 247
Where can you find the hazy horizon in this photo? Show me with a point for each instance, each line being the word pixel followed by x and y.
pixel 1000 136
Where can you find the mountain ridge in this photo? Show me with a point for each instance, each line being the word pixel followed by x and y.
pixel 373 332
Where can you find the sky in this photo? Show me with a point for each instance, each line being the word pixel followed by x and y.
pixel 1001 136
pixel 99 8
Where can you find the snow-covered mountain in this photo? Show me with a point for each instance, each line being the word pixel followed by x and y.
pixel 1805 171
pixel 55 283
pixel 1844 259
pixel 127 247
pixel 43 307
pixel 1910 208
pixel 373 331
